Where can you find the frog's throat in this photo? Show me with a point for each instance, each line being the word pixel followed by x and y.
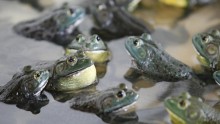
pixel 77 80
pixel 126 109
pixel 174 118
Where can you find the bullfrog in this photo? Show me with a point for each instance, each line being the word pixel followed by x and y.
pixel 129 5
pixel 115 22
pixel 68 73
pixel 94 47
pixel 154 62
pixel 207 45
pixel 59 26
pixel 187 109
pixel 25 90
pixel 106 103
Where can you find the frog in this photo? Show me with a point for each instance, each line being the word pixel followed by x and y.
pixel 207 45
pixel 68 73
pixel 25 89
pixel 58 26
pixel 106 103
pixel 186 3
pixel 129 5
pixel 187 109
pixel 216 77
pixel 112 22
pixel 152 61
pixel 94 47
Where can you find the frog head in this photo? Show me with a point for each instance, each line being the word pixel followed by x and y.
pixel 94 47
pixel 68 18
pixel 73 72
pixel 118 100
pixel 185 109
pixel 140 48
pixel 207 46
pixel 34 83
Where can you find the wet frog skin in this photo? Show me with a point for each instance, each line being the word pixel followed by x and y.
pixel 154 62
pixel 207 46
pixel 187 109
pixel 94 47
pixel 115 22
pixel 25 90
pixel 103 103
pixel 69 73
pixel 59 26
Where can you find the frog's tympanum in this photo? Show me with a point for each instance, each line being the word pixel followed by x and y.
pixel 94 47
pixel 59 26
pixel 72 72
pixel 115 22
pixel 154 62
pixel 111 101
pixel 25 90
pixel 207 45
pixel 187 109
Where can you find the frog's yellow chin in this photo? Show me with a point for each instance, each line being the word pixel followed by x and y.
pixel 174 118
pixel 202 60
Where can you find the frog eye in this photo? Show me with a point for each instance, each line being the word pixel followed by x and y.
pixel 206 38
pixel 183 104
pixel 36 75
pixel 121 94
pixel 136 43
pixel 98 38
pixel 72 60
pixel 212 49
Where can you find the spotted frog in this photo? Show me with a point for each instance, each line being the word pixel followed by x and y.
pixel 106 103
pixel 25 90
pixel 187 109
pixel 151 60
pixel 59 26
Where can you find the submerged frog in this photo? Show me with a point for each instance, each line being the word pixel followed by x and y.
pixel 115 22
pixel 59 26
pixel 94 47
pixel 25 90
pixel 186 109
pixel 207 45
pixel 154 62
pixel 106 103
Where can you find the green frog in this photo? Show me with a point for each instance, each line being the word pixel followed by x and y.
pixel 94 47
pixel 25 90
pixel 106 103
pixel 207 46
pixel 152 61
pixel 69 73
pixel 59 26
pixel 187 109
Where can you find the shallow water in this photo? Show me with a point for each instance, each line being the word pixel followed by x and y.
pixel 17 51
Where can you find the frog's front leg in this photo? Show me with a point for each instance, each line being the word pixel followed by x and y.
pixel 132 74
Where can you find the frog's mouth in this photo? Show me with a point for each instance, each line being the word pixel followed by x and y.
pixel 126 109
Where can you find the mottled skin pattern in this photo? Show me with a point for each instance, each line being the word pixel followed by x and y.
pixel 59 26
pixel 186 109
pixel 25 90
pixel 115 22
pixel 154 62
pixel 207 46
pixel 103 103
